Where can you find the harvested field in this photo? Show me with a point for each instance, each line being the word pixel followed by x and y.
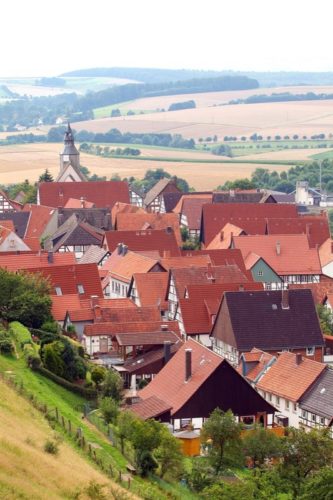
pixel 283 118
pixel 286 154
pixel 29 162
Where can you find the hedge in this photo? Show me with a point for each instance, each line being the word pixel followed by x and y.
pixel 77 389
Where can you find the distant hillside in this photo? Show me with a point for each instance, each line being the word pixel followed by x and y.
pixel 26 470
pixel 158 75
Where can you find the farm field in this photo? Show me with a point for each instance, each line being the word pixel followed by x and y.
pixel 29 162
pixel 204 100
pixel 287 154
pixel 26 470
pixel 283 118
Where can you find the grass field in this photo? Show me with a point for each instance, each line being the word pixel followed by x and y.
pixel 29 162
pixel 26 470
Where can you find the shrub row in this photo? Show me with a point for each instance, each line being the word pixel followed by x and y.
pixel 77 389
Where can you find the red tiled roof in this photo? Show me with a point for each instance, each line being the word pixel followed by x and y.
pixel 295 256
pixel 256 362
pixel 325 252
pixel 61 304
pixel 39 217
pixel 170 383
pixel 30 260
pixel 161 240
pixel 223 239
pixel 151 407
pixel 69 277
pixel 138 221
pixel 288 379
pixel 76 203
pixel 102 193
pixel 222 257
pixel 124 266
pixel 205 301
pixel 191 208
pixel 8 224
pixel 151 289
pixel 145 338
pixel 205 275
pixel 319 290
pixel 152 360
pixel 314 226
pixel 124 208
pixel 133 327
pixel 182 262
pixel 249 216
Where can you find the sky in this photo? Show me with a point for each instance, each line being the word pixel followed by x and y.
pixel 47 38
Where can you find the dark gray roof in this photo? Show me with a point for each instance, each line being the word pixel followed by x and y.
pixel 20 221
pixel 227 197
pixel 157 190
pixel 97 217
pixel 171 200
pixel 319 399
pixel 258 320
pixel 74 232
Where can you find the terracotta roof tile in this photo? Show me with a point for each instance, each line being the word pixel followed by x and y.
pixel 314 226
pixel 249 216
pixel 61 304
pixel 152 407
pixel 150 360
pixel 182 262
pixel 162 240
pixel 191 210
pixel 319 290
pixel 132 327
pixel 325 252
pixel 69 277
pixel 151 289
pixel 124 208
pixel 223 239
pixel 145 338
pixel 29 260
pixel 124 266
pixel 138 221
pixel 294 255
pixel 288 379
pixel 223 257
pixel 256 361
pixel 77 203
pixel 101 193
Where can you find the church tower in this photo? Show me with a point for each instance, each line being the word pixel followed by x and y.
pixel 70 160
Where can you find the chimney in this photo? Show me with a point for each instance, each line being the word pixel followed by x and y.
pixel 119 248
pixel 307 230
pixel 164 328
pixel 82 202
pixel 166 254
pixel 221 235
pixel 97 312
pixel 50 257
pixel 232 192
pixel 298 358
pixel 244 370
pixel 93 300
pixel 285 299
pixel 167 351
pixel 278 248
pixel 125 248
pixel 241 288
pixel 188 364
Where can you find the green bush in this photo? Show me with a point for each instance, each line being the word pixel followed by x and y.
pixel 20 333
pixel 51 447
pixel 6 343
pixel 31 356
pixel 50 326
pixel 77 389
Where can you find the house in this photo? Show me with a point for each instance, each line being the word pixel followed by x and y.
pixel 149 289
pixel 136 196
pixel 104 194
pixel 124 208
pixel 161 240
pixel 6 205
pixel 20 221
pixel 221 257
pixel 70 160
pixel 74 236
pixel 154 201
pixel 288 257
pixel 250 217
pixel 223 239
pixel 143 221
pixel 316 405
pixel 39 218
pixel 243 196
pixel 315 227
pixel 188 385
pixel 189 210
pixel 304 195
pixel 205 300
pixel 118 269
pixel 273 321
pixel 181 278
pixel 326 257
pixel 87 311
pixel 10 241
pixel 286 381
pixel 82 279
pixel 171 200
pixel 110 338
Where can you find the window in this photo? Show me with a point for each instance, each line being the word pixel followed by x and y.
pixel 269 397
pixel 304 414
pixel 277 400
pixel 80 289
pixel 322 420
pixel 58 290
pixel 287 404
pixel 295 408
pixel 310 351
pixel 260 273
pixel 313 417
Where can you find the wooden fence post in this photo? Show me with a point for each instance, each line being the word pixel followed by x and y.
pixel 69 426
pixel 57 414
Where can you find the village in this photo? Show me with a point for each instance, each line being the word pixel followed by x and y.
pixel 197 301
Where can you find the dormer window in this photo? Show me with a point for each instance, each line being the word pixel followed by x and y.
pixel 58 290
pixel 80 289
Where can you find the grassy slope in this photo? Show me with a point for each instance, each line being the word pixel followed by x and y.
pixel 26 471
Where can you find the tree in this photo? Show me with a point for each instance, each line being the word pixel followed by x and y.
pixel 98 375
pixel 110 409
pixel 24 297
pixel 112 386
pixel 145 437
pixel 46 176
pixel 225 491
pixel 319 486
pixel 223 431
pixel 325 319
pixel 169 455
pixel 115 112
pixel 124 427
pixel 304 454
pixel 261 444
